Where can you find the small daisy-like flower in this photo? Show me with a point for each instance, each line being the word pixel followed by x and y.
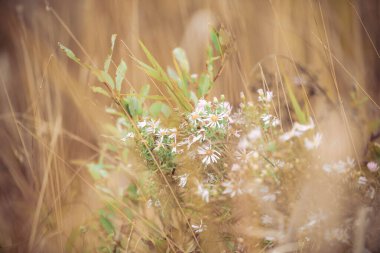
pixel 215 120
pixel 373 166
pixel 232 188
pixel 209 155
pixel 204 193
pixel 183 180
pixel 199 228
pixel 159 144
pixel 142 124
pixel 196 116
pixel 314 143
pixel 152 126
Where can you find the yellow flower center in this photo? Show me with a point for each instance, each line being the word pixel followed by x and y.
pixel 194 116
pixel 214 118
pixel 209 152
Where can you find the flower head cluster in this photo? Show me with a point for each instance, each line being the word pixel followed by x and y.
pixel 162 141
pixel 210 114
pixel 210 122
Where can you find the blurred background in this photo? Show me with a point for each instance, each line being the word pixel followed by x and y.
pixel 50 122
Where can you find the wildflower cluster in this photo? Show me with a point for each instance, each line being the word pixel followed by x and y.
pixel 157 144
pixel 234 173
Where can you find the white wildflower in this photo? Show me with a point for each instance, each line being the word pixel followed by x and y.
pixel 275 122
pixel 196 116
pixel 266 118
pixel 199 228
pixel 297 130
pixel 215 120
pixel 265 96
pixel 204 193
pixel 270 120
pixel 373 166
pixel 142 124
pixel 314 143
pixel 159 144
pixel 149 203
pixel 209 155
pixel 152 126
pixel 183 180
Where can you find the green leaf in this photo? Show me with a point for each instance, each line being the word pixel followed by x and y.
pixel 109 57
pixel 172 74
pixel 120 74
pixel 104 77
pixel 166 110
pixel 215 41
pixel 204 85
pixel 132 192
pixel 100 90
pixel 180 56
pixel 133 106
pixel 106 224
pixel 158 107
pixel 97 171
pixel 144 92
pixel 149 70
pixel 69 53
pixel 155 109
pixel 193 97
pixel 301 117
pixel 105 190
